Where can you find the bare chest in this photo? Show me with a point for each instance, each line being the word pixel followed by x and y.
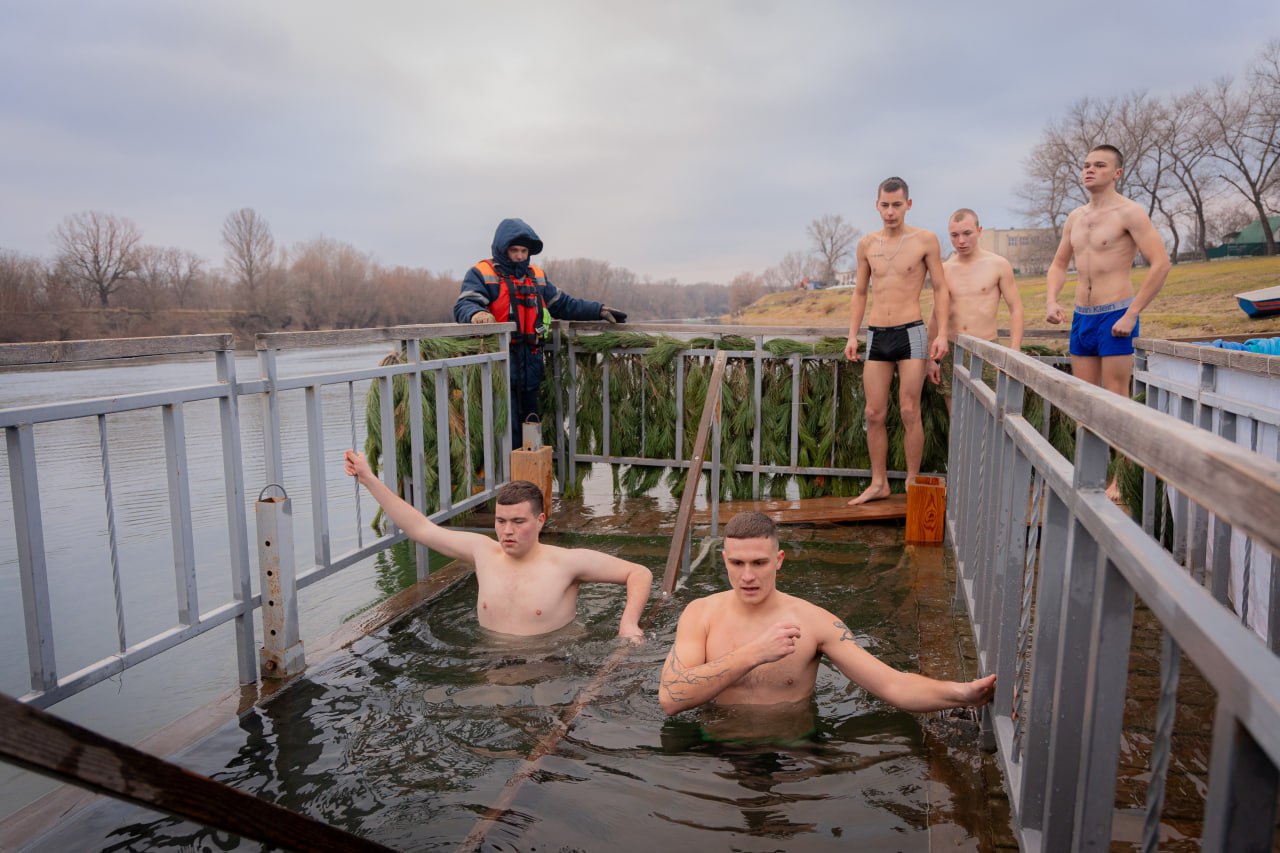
pixel 528 599
pixel 1100 233
pixel 781 679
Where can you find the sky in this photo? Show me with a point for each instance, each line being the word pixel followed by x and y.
pixel 690 140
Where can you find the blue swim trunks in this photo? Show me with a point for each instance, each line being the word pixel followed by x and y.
pixel 1091 330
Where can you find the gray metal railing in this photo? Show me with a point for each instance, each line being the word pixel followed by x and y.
pixel 1235 395
pixel 1050 568
pixel 194 617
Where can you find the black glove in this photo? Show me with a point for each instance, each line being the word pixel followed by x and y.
pixel 613 315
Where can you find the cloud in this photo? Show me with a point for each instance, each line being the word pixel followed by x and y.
pixel 680 140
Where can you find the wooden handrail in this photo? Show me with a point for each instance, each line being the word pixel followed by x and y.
pixel 38 741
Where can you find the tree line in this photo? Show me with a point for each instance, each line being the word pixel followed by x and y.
pixel 1205 163
pixel 105 281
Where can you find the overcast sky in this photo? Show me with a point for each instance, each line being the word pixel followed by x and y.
pixel 693 140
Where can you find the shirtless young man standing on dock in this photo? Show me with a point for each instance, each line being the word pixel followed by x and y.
pixel 897 258
pixel 1104 236
pixel 976 280
pixel 525 587
pixel 754 645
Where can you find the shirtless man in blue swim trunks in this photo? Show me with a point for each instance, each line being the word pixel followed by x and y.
pixel 1104 236
pixel 897 257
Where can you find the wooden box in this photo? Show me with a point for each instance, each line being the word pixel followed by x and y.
pixel 926 510
pixel 534 466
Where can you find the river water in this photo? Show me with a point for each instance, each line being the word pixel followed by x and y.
pixel 73 509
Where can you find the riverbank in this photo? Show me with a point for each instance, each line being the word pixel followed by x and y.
pixel 1197 301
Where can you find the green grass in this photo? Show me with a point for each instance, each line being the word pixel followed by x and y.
pixel 1197 301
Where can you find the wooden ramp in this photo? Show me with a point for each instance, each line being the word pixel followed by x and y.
pixel 809 510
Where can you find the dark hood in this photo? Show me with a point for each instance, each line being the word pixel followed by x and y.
pixel 508 232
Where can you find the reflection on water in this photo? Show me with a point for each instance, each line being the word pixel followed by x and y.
pixel 409 736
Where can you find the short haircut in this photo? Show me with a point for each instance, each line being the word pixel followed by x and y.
pixel 963 212
pixel 751 525
pixel 892 185
pixel 519 491
pixel 1114 150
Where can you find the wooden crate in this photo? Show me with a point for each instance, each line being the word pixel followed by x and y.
pixel 926 510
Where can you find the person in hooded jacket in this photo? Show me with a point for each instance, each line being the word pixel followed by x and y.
pixel 507 288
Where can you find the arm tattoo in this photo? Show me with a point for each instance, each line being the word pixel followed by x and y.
pixel 681 678
pixel 845 633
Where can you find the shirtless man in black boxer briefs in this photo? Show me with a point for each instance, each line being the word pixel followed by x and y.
pixel 897 257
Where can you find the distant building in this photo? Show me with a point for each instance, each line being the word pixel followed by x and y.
pixel 1250 241
pixel 1029 250
pixel 844 278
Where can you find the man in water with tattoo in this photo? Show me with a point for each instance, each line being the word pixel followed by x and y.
pixel 754 645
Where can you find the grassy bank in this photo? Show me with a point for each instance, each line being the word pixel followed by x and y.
pixel 1197 302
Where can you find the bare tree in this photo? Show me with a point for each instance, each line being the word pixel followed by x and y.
pixel 791 270
pixel 833 240
pixel 250 246
pixel 744 290
pixel 169 275
pixel 1187 142
pixel 1244 123
pixel 21 281
pixel 333 285
pixel 98 252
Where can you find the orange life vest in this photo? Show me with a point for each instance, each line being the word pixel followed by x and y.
pixel 532 319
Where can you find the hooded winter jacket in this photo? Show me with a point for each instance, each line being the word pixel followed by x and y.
pixel 490 286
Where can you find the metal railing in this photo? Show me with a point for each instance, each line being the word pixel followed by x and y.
pixel 1232 394
pixel 1050 568
pixel 193 617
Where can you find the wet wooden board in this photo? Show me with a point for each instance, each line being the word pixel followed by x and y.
pixel 809 510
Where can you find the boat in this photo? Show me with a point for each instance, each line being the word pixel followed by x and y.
pixel 1260 303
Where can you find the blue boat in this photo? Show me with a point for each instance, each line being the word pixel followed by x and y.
pixel 1260 303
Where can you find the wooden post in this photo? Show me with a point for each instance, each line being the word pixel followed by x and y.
pixel 926 509
pixel 536 467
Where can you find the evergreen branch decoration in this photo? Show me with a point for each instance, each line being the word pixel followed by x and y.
pixel 642 370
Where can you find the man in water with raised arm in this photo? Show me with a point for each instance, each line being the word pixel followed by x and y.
pixel 754 645
pixel 525 587
pixel 976 281
pixel 1104 236
pixel 896 257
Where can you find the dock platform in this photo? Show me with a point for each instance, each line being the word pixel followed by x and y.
pixel 810 510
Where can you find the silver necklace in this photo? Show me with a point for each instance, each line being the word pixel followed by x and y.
pixel 889 258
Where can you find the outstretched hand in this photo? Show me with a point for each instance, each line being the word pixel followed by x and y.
pixel 979 691
pixel 613 315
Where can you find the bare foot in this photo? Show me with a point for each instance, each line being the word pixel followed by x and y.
pixel 871 493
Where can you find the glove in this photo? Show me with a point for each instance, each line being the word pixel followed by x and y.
pixel 613 315
pixel 482 317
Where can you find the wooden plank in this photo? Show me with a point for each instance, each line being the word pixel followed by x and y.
pixel 349 337
pixel 809 510
pixel 685 516
pixel 41 742
pixel 68 352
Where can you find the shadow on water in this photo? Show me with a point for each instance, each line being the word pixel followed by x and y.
pixel 410 734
